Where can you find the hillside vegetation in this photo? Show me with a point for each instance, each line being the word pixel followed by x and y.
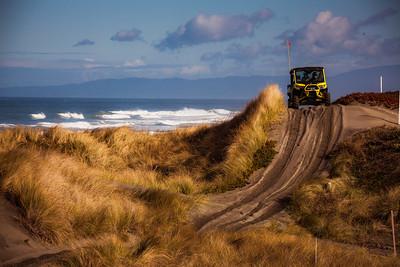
pixel 354 204
pixel 122 197
pixel 387 99
pixel 117 185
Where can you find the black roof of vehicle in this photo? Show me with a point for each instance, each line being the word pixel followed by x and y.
pixel 307 68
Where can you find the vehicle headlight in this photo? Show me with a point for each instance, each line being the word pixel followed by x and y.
pixel 321 87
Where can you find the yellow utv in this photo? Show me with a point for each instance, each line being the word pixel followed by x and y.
pixel 308 87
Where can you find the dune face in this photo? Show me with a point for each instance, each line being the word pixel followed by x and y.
pixel 306 138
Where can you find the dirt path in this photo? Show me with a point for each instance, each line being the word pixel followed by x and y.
pixel 306 137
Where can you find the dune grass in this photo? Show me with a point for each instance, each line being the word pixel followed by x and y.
pixel 70 185
pixel 57 207
pixel 122 197
pixel 354 205
pixel 257 247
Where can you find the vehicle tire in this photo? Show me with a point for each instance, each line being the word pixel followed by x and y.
pixel 295 102
pixel 328 99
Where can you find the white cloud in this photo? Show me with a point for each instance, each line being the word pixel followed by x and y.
pixel 328 34
pixel 205 28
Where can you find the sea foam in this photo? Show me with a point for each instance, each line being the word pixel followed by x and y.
pixel 38 116
pixel 185 112
pixel 83 125
pixel 71 115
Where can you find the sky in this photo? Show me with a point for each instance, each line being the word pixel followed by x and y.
pixel 197 39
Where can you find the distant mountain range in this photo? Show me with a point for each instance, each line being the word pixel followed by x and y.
pixel 240 87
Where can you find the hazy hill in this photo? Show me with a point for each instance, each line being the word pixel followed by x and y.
pixel 225 87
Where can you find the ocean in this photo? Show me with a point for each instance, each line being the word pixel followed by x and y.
pixel 140 114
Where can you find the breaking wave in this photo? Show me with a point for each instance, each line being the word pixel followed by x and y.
pixel 71 115
pixel 140 119
pixel 114 116
pixel 82 125
pixel 185 112
pixel 38 116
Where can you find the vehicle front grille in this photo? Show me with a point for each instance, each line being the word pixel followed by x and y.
pixel 312 88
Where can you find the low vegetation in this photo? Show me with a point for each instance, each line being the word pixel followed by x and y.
pixel 354 204
pixel 122 197
pixel 259 247
pixel 127 193
pixel 387 99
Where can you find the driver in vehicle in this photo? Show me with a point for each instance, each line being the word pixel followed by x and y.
pixel 305 78
pixel 315 77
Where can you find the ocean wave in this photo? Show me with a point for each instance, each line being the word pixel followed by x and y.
pixel 114 116
pixel 182 122
pixel 185 112
pixel 38 116
pixel 71 115
pixel 7 125
pixel 83 125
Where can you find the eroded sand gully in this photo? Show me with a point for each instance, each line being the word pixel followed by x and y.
pixel 306 137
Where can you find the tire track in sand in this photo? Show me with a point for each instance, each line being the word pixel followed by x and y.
pixel 307 136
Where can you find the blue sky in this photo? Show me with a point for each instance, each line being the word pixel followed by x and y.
pixel 195 39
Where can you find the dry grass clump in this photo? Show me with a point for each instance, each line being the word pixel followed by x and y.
pixel 355 205
pixel 252 135
pixel 257 247
pixel 79 145
pixel 164 152
pixel 263 248
pixel 56 207
pixel 386 99
pixel 248 146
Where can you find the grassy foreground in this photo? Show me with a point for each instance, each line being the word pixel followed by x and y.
pixel 122 197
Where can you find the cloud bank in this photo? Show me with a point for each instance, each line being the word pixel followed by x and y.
pixel 331 35
pixel 214 28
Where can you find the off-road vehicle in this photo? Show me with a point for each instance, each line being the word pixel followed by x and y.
pixel 308 87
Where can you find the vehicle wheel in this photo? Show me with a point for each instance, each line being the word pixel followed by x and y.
pixel 328 99
pixel 295 102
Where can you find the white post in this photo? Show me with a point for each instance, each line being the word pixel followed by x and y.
pixel 381 83
pixel 393 234
pixel 288 52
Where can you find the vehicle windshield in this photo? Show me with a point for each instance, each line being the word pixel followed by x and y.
pixel 309 76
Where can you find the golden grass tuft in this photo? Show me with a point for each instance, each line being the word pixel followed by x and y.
pixel 56 207
pixel 251 136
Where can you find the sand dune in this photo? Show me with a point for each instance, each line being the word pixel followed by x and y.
pixel 304 140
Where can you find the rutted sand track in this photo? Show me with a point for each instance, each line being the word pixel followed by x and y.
pixel 306 137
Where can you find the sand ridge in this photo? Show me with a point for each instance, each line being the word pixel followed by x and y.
pixel 307 136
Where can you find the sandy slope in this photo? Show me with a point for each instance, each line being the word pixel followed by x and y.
pixel 305 138
pixel 16 244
